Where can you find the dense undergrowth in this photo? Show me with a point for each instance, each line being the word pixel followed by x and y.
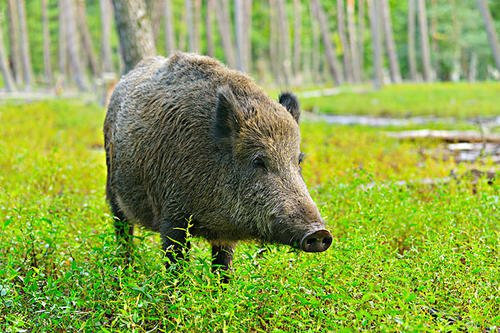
pixel 404 258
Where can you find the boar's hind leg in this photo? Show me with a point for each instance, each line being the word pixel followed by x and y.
pixel 222 258
pixel 175 244
pixel 124 230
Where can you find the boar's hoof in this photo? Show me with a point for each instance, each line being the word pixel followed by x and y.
pixel 316 241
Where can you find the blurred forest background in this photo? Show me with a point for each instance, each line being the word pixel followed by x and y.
pixel 74 44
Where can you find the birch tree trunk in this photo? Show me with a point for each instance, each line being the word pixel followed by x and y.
pixel 15 47
pixel 224 21
pixel 47 65
pixel 348 72
pixel 8 80
pixel 73 45
pixel 333 64
pixel 63 50
pixel 284 42
pixel 297 32
pixel 375 12
pixel 134 29
pixel 412 58
pixel 361 39
pixel 209 27
pixel 25 49
pixel 169 27
pixel 490 29
pixel 273 42
pixel 239 26
pixel 389 41
pixel 247 22
pixel 106 19
pixel 87 45
pixel 424 40
pixel 353 42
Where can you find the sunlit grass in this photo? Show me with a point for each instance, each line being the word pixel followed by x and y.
pixel 461 100
pixel 404 258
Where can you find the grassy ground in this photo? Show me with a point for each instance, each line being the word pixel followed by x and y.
pixel 461 100
pixel 415 258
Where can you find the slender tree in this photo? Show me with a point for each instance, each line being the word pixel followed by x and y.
pixel 424 40
pixel 169 27
pixel 284 42
pixel 490 29
pixel 86 40
pixel 190 25
pixel 333 64
pixel 247 41
pixel 25 49
pixel 62 50
pixel 412 58
pixel 8 80
pixel 346 55
pixel 353 42
pixel 106 19
pixel 73 45
pixel 374 7
pixel 273 42
pixel 240 27
pixel 134 29
pixel 15 46
pixel 209 27
pixel 47 65
pixel 224 23
pixel 297 34
pixel 361 38
pixel 389 42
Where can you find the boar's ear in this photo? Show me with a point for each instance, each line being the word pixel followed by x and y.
pixel 290 102
pixel 227 115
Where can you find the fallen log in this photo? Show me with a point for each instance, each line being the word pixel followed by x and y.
pixel 447 136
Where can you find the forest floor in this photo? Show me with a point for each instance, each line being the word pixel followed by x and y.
pixel 407 255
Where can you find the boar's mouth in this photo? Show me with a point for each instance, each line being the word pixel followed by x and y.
pixel 316 241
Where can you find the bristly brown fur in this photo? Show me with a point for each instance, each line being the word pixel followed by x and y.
pixel 185 134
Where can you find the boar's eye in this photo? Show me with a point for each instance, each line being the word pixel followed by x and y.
pixel 301 158
pixel 259 162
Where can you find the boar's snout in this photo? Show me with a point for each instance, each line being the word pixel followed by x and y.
pixel 316 241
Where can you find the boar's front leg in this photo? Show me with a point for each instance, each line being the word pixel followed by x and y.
pixel 222 259
pixel 174 241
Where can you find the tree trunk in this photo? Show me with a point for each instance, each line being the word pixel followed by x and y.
pixel 348 72
pixel 209 27
pixel 412 58
pixel 190 25
pixel 63 50
pixel 156 16
pixel 86 40
pixel 73 45
pixel 225 31
pixel 134 29
pixel 25 49
pixel 424 40
pixel 361 39
pixel 490 29
pixel 47 65
pixel 297 31
pixel 333 64
pixel 472 67
pixel 284 42
pixel 273 42
pixel 456 69
pixel 15 47
pixel 353 43
pixel 106 19
pixel 247 22
pixel 389 42
pixel 239 26
pixel 434 41
pixel 8 80
pixel 375 12
pixel 169 27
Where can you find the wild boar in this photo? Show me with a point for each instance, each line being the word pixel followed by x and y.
pixel 188 139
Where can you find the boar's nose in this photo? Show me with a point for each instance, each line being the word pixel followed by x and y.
pixel 316 241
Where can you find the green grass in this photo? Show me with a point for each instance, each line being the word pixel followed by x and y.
pixel 461 100
pixel 416 258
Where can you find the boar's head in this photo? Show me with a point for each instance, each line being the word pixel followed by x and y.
pixel 268 196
